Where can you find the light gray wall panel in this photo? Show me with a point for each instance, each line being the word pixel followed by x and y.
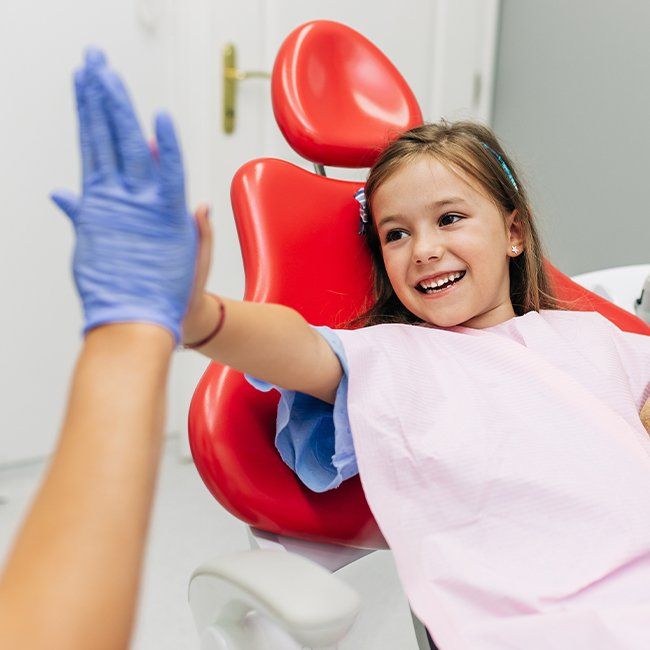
pixel 572 105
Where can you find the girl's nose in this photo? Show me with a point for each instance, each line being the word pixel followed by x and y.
pixel 426 249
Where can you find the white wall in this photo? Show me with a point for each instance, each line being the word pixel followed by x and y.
pixel 173 63
pixel 41 43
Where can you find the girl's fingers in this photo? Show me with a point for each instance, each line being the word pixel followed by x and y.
pixel 204 256
pixel 153 149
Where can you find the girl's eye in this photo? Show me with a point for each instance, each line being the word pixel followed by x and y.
pixel 390 237
pixel 449 216
pixel 393 235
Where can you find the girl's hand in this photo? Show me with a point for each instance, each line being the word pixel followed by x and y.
pixel 136 243
pixel 202 313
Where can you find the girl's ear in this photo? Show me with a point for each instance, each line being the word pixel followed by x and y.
pixel 515 229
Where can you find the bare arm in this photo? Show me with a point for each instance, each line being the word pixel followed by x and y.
pixel 71 581
pixel 270 342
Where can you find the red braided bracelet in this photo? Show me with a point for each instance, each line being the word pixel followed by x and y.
pixel 215 331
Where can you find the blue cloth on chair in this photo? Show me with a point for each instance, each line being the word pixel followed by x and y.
pixel 312 436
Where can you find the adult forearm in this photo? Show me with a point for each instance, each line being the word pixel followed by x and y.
pixel 81 546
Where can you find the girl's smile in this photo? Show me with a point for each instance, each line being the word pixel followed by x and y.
pixel 446 245
pixel 440 285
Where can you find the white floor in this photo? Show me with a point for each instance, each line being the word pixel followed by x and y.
pixel 189 527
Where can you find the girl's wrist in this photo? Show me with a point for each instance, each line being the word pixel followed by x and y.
pixel 199 320
pixel 201 323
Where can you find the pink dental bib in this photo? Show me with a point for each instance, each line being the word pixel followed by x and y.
pixel 510 474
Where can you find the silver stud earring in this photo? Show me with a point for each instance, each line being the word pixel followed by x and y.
pixel 514 249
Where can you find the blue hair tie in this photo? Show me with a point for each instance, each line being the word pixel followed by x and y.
pixel 502 162
pixel 360 196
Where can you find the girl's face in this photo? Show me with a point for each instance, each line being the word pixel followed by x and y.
pixel 433 222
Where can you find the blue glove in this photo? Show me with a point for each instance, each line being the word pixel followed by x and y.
pixel 136 243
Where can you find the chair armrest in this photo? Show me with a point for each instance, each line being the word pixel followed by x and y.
pixel 314 607
pixel 642 303
pixel 620 285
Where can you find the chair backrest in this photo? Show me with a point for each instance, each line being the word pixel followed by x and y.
pixel 337 98
pixel 298 234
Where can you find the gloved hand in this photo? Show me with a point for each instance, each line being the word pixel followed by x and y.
pixel 136 243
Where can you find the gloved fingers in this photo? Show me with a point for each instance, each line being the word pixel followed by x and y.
pixel 172 177
pixel 103 147
pixel 68 202
pixel 85 143
pixel 95 57
pixel 133 155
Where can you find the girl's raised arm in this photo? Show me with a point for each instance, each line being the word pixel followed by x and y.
pixel 270 342
pixel 267 341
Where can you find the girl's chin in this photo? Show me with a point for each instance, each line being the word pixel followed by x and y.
pixel 444 318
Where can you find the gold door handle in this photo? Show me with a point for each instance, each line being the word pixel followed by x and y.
pixel 230 78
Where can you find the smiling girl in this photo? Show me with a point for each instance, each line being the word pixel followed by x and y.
pixel 497 435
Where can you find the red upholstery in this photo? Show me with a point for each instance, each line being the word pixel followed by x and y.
pixel 337 99
pixel 300 247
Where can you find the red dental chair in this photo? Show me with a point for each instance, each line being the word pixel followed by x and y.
pixel 338 101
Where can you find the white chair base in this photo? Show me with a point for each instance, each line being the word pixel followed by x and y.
pixel 270 600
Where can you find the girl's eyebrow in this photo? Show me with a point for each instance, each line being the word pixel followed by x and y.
pixel 452 200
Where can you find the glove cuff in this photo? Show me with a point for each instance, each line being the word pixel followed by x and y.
pixel 154 319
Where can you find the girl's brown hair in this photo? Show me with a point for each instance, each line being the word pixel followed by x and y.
pixel 473 149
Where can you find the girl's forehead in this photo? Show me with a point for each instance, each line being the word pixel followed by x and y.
pixel 426 180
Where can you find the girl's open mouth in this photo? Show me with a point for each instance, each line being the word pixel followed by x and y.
pixel 442 289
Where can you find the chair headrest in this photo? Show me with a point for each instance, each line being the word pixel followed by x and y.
pixel 337 98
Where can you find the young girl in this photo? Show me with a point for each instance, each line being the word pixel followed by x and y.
pixel 497 436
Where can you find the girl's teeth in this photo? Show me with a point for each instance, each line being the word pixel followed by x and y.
pixel 439 283
pixel 437 286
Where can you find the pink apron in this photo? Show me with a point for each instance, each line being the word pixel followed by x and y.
pixel 510 474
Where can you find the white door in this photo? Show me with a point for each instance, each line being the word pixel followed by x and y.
pixel 443 48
